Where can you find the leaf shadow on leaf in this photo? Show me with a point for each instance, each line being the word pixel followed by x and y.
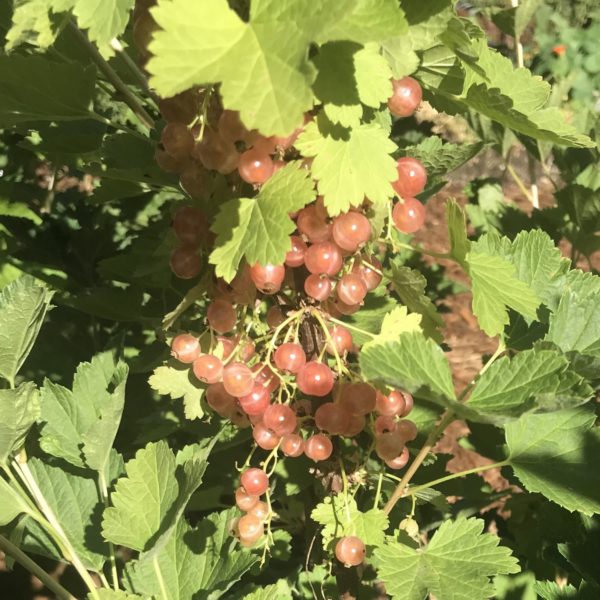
pixel 563 476
pixel 328 128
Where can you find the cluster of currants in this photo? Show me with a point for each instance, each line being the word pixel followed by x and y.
pixel 295 381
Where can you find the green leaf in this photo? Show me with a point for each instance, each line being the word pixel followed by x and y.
pixel 276 591
pixel 530 380
pixel 80 425
pixel 456 565
pixel 536 259
pixel 396 322
pixel 75 502
pixel 339 516
pixel 104 20
pixel 262 64
pixel 12 503
pixel 515 98
pixel 349 75
pixel 410 362
pixel 195 563
pixel 410 286
pixel 575 325
pixel 440 158
pixel 35 88
pixel 130 158
pixel 19 410
pixel 177 381
pixel 23 306
pixel 558 455
pixel 496 288
pixel 525 11
pixel 457 229
pixel 370 316
pixel 30 24
pixel 151 497
pixel 548 590
pixel 259 228
pixel 350 166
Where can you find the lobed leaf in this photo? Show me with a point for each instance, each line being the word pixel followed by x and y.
pixel 23 306
pixel 457 564
pixel 495 289
pixel 339 516
pixel 410 362
pixel 177 381
pixel 533 379
pixel 19 410
pixel 558 455
pixel 262 64
pixel 258 229
pixel 349 165
pixel 80 425
pixel 197 562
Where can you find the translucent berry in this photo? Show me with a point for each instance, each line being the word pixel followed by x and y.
pixel 221 316
pixel 264 437
pixel 256 401
pixel 292 445
pixel 238 379
pixel 208 368
pixel 244 500
pixel 267 278
pixel 400 461
pixel 350 551
pixel 185 262
pixel 406 97
pixel 318 447
pixel 317 287
pixel 255 481
pixel 280 418
pixel 185 348
pixel 315 379
pixel 408 215
pixel 351 289
pixel 412 177
pixel 289 357
pixel 255 166
pixel 323 258
pixel 351 231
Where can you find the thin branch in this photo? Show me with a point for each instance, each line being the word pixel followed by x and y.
pixel 447 418
pixel 27 475
pixel 133 67
pixel 9 548
pixel 128 97
pixel 430 484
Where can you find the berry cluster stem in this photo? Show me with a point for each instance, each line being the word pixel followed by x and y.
pixel 447 418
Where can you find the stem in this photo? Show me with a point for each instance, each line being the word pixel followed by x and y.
pixel 27 475
pixel 416 463
pixel 430 484
pixel 338 360
pixel 499 350
pixel 351 327
pixel 535 197
pixel 132 66
pixel 519 182
pixel 518 45
pixel 378 492
pixel 113 563
pixel 128 97
pixel 9 548
pixel 193 294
